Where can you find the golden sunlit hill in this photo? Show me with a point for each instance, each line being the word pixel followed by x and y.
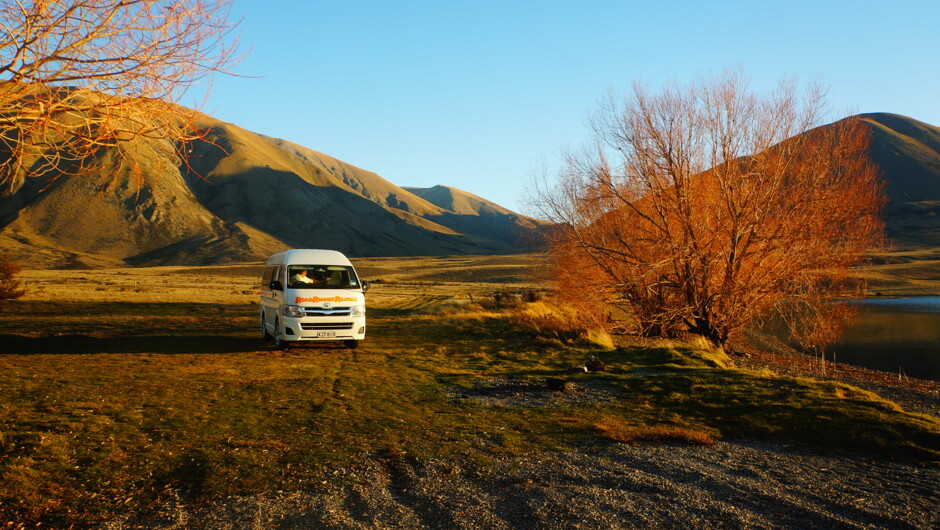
pixel 240 196
pixel 467 213
pixel 907 152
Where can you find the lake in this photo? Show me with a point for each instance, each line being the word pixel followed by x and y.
pixel 894 335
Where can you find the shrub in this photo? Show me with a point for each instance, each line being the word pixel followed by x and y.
pixel 10 287
pixel 555 319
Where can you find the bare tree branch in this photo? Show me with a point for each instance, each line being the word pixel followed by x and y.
pixel 727 205
pixel 77 76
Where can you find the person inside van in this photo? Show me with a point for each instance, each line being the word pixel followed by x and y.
pixel 301 277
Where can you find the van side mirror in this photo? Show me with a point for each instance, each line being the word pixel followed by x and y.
pixel 365 286
pixel 275 285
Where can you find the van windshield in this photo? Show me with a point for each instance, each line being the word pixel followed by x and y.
pixel 321 277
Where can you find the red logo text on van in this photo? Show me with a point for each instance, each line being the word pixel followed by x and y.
pixel 315 299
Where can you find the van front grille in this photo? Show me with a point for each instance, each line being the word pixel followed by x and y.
pixel 324 312
pixel 317 326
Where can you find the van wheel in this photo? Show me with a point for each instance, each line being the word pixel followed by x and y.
pixel 279 341
pixel 351 344
pixel 264 329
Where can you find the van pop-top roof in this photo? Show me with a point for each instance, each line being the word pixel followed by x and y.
pixel 308 256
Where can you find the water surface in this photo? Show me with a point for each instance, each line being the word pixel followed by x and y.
pixel 898 335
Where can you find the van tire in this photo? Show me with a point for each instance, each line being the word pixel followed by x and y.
pixel 351 344
pixel 264 329
pixel 279 341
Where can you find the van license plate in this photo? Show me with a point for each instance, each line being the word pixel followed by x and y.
pixel 326 334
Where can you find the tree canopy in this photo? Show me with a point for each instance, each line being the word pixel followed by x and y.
pixel 79 76
pixel 706 207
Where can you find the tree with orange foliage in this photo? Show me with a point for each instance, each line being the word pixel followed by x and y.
pixel 706 208
pixel 81 76
pixel 10 287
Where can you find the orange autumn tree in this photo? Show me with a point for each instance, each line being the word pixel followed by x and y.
pixel 706 208
pixel 10 286
pixel 81 76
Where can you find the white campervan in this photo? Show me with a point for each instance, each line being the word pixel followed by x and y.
pixel 312 295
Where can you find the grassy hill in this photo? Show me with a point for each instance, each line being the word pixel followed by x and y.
pixel 908 153
pixel 124 389
pixel 468 213
pixel 239 196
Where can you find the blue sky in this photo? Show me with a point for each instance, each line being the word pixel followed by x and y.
pixel 474 94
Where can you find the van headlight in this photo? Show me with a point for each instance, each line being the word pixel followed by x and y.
pixel 357 310
pixel 294 311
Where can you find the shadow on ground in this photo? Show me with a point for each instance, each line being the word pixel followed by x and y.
pixel 158 344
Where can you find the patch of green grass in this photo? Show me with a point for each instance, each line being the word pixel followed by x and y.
pixel 620 431
pixel 130 402
pixel 735 402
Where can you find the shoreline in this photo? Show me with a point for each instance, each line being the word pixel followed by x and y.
pixel 762 352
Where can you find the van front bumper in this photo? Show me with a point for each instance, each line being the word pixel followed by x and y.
pixel 324 328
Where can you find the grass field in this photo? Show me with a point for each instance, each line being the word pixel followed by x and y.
pixel 905 273
pixel 120 388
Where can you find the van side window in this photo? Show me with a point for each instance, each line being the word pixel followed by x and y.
pixel 270 273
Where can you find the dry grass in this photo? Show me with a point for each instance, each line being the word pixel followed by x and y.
pixel 620 431
pixel 699 347
pixel 550 319
pixel 401 282
pixel 114 399
pixel 904 273
pixel 232 284
pixel 601 338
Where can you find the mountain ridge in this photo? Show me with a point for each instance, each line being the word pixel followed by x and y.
pixel 907 153
pixel 238 196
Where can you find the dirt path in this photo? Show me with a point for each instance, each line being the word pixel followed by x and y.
pixel 736 484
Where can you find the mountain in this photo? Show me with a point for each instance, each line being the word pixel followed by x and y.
pixel 907 152
pixel 470 214
pixel 239 196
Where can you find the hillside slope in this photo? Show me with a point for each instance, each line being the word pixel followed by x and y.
pixel 907 152
pixel 238 196
pixel 468 213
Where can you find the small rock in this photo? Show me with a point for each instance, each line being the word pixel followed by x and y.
pixel 559 385
pixel 577 369
pixel 594 365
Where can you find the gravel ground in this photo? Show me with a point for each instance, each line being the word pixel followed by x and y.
pixel 733 483
pixel 729 484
